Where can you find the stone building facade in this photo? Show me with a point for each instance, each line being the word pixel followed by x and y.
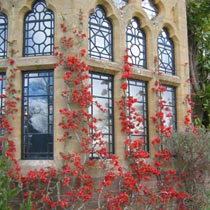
pixel 148 29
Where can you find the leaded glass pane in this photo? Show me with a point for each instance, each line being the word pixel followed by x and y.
pixel 149 8
pixel 102 92
pixel 100 35
pixel 3 35
pixel 138 90
pixel 169 110
pixel 37 123
pixel 136 44
pixel 2 104
pixel 39 31
pixel 2 92
pixel 166 53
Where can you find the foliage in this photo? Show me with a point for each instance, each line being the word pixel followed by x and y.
pixel 199 54
pixel 191 158
pixel 9 167
pixel 7 189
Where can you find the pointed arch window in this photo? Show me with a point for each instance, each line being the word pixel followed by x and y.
pixel 149 8
pixel 166 53
pixel 39 31
pixel 100 35
pixel 3 35
pixel 136 43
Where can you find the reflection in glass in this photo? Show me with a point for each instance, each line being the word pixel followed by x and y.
pixel 166 53
pixel 138 90
pixel 39 31
pixel 102 92
pixel 2 91
pixel 100 35
pixel 136 44
pixel 169 96
pixel 149 8
pixel 2 103
pixel 3 35
pixel 38 115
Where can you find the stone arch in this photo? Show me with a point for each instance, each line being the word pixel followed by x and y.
pixel 160 7
pixel 171 31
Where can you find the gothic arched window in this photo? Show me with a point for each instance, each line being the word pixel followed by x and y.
pixel 39 31
pixel 136 44
pixel 100 35
pixel 166 53
pixel 3 35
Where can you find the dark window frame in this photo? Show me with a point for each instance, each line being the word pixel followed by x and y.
pixel 29 133
pixel 3 35
pixel 166 48
pixel 2 105
pixel 143 86
pixel 137 36
pixel 110 92
pixel 172 90
pixel 38 49
pixel 97 28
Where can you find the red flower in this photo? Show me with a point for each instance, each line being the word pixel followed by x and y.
pixel 11 61
pixel 83 52
pixel 124 86
pixel 83 36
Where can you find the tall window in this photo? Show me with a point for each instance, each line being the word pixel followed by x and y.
pixel 2 100
pixel 39 31
pixel 149 8
pixel 169 98
pixel 138 89
pixel 100 35
pixel 102 92
pixel 166 53
pixel 136 44
pixel 3 35
pixel 37 122
pixel 2 91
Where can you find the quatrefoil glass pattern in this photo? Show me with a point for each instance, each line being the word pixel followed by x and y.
pixel 39 31
pixel 100 35
pixel 136 44
pixel 3 35
pixel 166 53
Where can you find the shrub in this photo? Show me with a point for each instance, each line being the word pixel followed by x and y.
pixel 191 158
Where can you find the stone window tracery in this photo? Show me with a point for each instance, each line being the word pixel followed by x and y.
pixel 39 31
pixel 100 35
pixel 136 44
pixel 166 53
pixel 3 35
